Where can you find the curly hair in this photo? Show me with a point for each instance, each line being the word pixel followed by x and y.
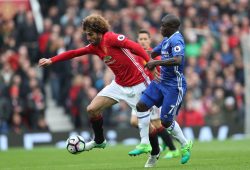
pixel 95 23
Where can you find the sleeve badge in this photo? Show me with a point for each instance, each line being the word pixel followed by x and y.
pixel 121 37
pixel 177 48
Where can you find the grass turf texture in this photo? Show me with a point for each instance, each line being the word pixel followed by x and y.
pixel 213 155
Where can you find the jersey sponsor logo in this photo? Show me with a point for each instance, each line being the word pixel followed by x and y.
pixel 107 58
pixel 164 54
pixel 121 37
pixel 177 48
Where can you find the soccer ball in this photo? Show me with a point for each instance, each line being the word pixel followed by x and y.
pixel 75 144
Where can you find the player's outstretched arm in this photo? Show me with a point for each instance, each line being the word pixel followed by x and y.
pixel 65 56
pixel 175 61
pixel 167 62
pixel 43 62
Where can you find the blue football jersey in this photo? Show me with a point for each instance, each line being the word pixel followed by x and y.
pixel 168 48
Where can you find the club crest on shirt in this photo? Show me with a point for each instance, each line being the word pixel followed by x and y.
pixel 107 58
pixel 121 37
pixel 177 48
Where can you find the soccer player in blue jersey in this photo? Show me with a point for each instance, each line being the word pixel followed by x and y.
pixel 168 88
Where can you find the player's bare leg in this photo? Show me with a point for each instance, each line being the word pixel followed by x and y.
pixel 98 104
pixel 134 121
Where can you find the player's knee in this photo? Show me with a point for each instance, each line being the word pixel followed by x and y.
pixel 134 122
pixel 141 107
pixel 91 110
pixel 152 129
pixel 166 124
pixel 156 123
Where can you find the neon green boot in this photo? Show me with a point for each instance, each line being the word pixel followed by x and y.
pixel 172 154
pixel 186 152
pixel 140 149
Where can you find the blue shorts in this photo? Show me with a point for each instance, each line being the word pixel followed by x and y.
pixel 170 98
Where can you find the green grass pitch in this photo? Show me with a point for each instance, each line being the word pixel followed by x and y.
pixel 229 155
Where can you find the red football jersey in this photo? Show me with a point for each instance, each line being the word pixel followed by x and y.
pixel 119 54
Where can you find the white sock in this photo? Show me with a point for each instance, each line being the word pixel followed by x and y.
pixel 176 131
pixel 143 125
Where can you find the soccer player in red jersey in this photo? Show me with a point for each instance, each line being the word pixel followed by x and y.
pixel 118 53
pixel 144 40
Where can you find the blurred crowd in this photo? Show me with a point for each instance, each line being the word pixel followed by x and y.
pixel 214 61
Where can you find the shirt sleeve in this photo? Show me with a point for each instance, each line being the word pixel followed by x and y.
pixel 119 40
pixel 72 53
pixel 178 48
pixel 157 49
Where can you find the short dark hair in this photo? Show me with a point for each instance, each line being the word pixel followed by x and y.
pixel 171 20
pixel 143 31
pixel 95 23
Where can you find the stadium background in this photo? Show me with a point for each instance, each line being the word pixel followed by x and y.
pixel 53 101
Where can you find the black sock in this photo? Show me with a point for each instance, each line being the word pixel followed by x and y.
pixel 154 143
pixel 97 123
pixel 166 138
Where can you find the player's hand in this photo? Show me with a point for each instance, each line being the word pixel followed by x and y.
pixel 157 75
pixel 43 62
pixel 150 65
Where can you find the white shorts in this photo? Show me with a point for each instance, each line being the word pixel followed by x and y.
pixel 154 113
pixel 131 95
